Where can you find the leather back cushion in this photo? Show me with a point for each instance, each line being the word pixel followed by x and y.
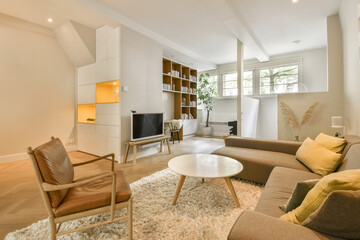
pixel 55 167
pixel 338 215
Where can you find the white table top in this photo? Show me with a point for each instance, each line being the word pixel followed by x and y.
pixel 205 166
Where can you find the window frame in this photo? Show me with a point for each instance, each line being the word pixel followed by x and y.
pixel 255 68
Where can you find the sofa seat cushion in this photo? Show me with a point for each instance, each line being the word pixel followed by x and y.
pixel 93 195
pixel 258 164
pixel 279 188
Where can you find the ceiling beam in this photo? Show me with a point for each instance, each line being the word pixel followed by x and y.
pixel 241 29
pixel 123 20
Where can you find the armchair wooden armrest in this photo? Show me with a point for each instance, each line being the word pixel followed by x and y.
pixel 112 155
pixel 51 187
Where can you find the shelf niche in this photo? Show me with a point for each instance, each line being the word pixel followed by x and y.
pixel 86 113
pixel 107 92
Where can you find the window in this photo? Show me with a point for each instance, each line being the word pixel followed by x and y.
pixel 229 84
pixel 279 80
pixel 275 77
pixel 214 82
pixel 248 83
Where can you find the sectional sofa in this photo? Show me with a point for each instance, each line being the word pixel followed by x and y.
pixel 274 164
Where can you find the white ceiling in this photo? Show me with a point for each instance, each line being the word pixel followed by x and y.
pixel 200 27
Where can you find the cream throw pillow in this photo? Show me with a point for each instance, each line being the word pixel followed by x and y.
pixel 344 180
pixel 318 158
pixel 334 144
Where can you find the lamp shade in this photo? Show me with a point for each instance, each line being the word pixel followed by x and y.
pixel 336 122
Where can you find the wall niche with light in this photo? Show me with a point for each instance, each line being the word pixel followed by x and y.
pixel 86 113
pixel 107 92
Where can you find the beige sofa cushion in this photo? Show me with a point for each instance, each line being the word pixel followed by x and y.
pixel 279 188
pixel 345 180
pixel 334 144
pixel 258 164
pixel 318 158
pixel 338 216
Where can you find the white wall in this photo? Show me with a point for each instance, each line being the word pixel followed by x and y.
pixel 37 93
pixel 350 28
pixel 168 103
pixel 330 103
pixel 141 71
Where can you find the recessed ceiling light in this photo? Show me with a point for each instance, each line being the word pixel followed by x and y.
pixel 50 20
pixel 295 1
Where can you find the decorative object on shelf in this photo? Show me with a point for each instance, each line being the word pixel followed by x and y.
pixel 175 73
pixel 292 121
pixel 184 116
pixel 116 94
pixel 207 97
pixel 166 86
pixel 184 101
pixel 337 122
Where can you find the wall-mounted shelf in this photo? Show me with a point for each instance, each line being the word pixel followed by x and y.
pixel 181 80
pixel 107 92
pixel 86 113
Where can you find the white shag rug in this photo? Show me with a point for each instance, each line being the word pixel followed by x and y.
pixel 202 211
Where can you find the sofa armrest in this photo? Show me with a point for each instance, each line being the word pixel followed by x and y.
pixel 252 225
pixel 288 147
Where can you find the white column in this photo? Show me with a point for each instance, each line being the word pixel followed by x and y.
pixel 240 69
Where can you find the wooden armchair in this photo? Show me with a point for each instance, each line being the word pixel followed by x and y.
pixel 66 199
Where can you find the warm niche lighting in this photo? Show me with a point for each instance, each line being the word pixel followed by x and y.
pixel 295 1
pixel 50 20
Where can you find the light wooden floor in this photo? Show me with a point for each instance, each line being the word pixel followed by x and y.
pixel 20 200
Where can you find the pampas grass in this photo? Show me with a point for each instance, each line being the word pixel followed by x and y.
pixel 291 119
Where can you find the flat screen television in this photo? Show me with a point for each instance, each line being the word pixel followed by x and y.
pixel 146 125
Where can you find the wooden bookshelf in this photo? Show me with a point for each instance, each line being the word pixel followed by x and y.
pixel 181 80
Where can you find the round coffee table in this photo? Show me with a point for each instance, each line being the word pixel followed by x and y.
pixel 205 166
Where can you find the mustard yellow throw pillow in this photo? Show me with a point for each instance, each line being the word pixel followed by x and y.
pixel 334 144
pixel 344 180
pixel 318 158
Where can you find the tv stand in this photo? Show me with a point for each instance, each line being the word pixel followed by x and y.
pixel 142 142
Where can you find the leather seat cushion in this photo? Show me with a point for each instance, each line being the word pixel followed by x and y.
pixel 55 167
pixel 93 195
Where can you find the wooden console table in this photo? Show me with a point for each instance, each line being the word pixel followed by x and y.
pixel 142 142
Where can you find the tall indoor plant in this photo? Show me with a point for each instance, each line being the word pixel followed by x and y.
pixel 207 96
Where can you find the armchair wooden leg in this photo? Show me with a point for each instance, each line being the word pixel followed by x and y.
pixel 52 229
pixel 130 223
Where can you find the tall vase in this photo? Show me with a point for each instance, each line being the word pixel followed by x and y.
pixel 297 139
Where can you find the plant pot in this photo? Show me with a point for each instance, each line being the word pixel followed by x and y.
pixel 206 131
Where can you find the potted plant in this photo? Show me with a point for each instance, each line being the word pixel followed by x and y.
pixel 207 96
